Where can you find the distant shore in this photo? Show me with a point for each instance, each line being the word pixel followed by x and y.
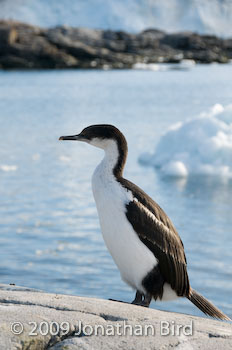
pixel 24 46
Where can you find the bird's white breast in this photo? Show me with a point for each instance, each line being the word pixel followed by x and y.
pixel 131 256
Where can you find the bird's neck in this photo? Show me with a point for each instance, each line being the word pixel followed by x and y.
pixel 114 161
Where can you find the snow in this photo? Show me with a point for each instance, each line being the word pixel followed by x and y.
pixel 202 145
pixel 208 16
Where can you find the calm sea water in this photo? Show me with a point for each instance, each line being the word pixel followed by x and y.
pixel 49 231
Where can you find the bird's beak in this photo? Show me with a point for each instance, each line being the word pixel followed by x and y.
pixel 78 137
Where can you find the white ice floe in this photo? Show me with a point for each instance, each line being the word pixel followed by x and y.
pixel 8 167
pixel 162 67
pixel 64 158
pixel 202 145
pixel 155 67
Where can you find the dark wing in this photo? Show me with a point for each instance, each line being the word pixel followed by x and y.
pixel 157 232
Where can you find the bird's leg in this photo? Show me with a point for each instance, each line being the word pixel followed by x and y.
pixel 142 299
pixel 138 298
pixel 147 300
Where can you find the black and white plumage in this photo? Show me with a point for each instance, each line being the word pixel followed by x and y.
pixel 138 234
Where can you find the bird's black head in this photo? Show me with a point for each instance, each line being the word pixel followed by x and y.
pixel 104 136
pixel 98 135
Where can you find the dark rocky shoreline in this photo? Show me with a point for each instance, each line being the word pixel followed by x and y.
pixel 24 46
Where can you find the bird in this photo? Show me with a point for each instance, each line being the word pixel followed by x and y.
pixel 139 235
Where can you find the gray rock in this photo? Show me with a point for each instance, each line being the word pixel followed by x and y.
pixel 29 47
pixel 55 322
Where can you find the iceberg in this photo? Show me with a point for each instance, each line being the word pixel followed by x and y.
pixel 208 16
pixel 199 146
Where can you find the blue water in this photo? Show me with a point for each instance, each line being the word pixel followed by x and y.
pixel 49 231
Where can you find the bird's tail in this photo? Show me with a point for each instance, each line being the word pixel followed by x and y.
pixel 206 306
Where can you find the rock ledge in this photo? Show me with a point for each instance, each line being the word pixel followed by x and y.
pixel 24 46
pixel 31 319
